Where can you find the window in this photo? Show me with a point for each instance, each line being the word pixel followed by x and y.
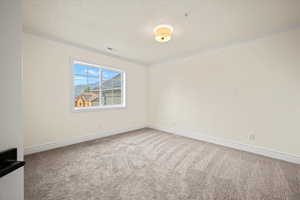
pixel 97 87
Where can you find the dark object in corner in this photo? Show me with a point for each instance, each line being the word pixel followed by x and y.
pixel 8 161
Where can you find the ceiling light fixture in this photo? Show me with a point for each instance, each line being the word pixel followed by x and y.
pixel 163 33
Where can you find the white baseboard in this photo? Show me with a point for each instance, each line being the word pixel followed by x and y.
pixel 75 140
pixel 214 140
pixel 235 145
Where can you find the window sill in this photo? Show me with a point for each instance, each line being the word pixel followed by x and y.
pixel 98 108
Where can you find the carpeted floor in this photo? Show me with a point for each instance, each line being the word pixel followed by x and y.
pixel 149 164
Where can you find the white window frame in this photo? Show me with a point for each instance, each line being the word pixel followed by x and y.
pixel 123 87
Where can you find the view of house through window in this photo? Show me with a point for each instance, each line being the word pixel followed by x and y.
pixel 96 86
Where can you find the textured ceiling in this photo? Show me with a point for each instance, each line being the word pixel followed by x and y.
pixel 127 26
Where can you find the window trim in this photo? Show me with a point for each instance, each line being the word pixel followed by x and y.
pixel 94 108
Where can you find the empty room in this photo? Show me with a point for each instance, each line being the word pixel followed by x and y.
pixel 150 100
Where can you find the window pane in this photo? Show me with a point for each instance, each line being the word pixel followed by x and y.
pixel 117 80
pixel 80 84
pixel 107 79
pixel 117 96
pixel 93 91
pixel 80 69
pixel 86 95
pixel 91 98
pixel 110 81
pixel 87 98
pixel 107 97
pixel 93 82
pixel 93 71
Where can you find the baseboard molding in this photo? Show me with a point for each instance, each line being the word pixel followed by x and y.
pixel 235 145
pixel 227 143
pixel 75 140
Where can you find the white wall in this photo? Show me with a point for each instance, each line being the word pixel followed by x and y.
pixel 229 93
pixel 11 185
pixel 47 95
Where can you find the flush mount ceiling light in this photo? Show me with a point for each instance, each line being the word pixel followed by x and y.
pixel 163 33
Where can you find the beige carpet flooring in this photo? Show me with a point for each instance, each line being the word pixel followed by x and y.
pixel 149 164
